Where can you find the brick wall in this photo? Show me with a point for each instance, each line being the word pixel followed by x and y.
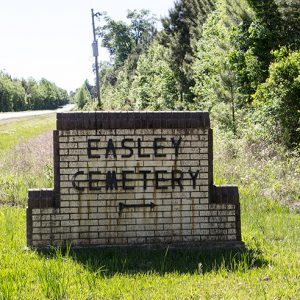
pixel 133 179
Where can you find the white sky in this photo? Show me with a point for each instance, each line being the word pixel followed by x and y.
pixel 52 39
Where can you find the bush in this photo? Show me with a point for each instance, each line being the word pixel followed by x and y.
pixel 277 100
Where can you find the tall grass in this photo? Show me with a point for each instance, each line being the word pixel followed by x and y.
pixel 26 165
pixel 267 171
pixel 269 268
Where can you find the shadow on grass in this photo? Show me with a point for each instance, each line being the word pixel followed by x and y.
pixel 109 261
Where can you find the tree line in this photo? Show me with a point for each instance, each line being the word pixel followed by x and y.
pixel 238 59
pixel 19 95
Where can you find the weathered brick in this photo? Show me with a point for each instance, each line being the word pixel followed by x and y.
pixel 92 216
pixel 70 223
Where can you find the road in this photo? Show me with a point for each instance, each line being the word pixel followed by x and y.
pixel 19 114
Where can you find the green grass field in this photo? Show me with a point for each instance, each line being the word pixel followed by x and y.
pixel 25 157
pixel 269 268
pixel 13 131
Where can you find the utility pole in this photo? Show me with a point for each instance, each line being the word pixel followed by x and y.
pixel 95 54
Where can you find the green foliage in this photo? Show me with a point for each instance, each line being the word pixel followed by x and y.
pixel 290 14
pixel 273 25
pixel 116 37
pixel 277 99
pixel 142 26
pixel 115 88
pixel 158 78
pixel 122 39
pixel 150 85
pixel 125 43
pixel 50 95
pixel 17 95
pixel 91 89
pixel 213 55
pixel 153 84
pixel 253 41
pixel 267 176
pixel 257 165
pixel 212 49
pixel 12 94
pixel 216 88
pixel 238 63
pixel 82 97
pixel 182 27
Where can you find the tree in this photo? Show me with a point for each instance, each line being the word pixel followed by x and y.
pixel 122 39
pixel 117 38
pixel 12 94
pixel 142 26
pixel 82 97
pixel 181 28
pixel 253 41
pixel 116 87
pixel 5 93
pixel 16 95
pixel 277 99
pixel 153 84
pixel 290 14
pixel 215 80
pixel 91 89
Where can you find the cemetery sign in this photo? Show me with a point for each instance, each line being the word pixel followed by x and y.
pixel 134 178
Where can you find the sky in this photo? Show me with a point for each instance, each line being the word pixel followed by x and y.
pixel 52 38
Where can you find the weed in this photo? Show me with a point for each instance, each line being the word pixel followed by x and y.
pixel 53 281
pixel 163 263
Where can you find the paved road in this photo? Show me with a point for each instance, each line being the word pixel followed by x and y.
pixel 19 114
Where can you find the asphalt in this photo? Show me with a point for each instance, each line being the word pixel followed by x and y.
pixel 20 114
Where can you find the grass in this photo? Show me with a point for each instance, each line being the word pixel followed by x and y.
pixel 267 170
pixel 26 160
pixel 12 131
pixel 268 269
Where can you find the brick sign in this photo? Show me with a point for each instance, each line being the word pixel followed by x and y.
pixel 133 178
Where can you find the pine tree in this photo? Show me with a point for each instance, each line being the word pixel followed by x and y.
pixel 181 28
